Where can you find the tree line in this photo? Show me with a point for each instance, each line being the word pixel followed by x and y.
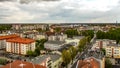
pixel 113 34
pixel 69 55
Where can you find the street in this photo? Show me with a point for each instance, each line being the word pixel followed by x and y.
pixel 81 55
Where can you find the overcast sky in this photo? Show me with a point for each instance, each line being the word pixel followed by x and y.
pixel 59 11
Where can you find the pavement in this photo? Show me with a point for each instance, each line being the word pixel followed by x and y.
pixel 82 54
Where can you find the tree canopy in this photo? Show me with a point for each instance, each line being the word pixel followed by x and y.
pixel 5 27
pixel 66 57
pixel 108 63
pixel 71 32
pixel 113 34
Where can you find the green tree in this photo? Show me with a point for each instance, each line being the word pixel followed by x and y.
pixel 30 53
pixel 58 29
pixel 3 61
pixel 73 52
pixel 71 32
pixel 113 34
pixel 104 51
pixel 89 33
pixel 82 44
pixel 5 27
pixel 108 63
pixel 66 57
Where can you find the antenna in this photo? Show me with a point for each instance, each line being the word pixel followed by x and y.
pixel 116 23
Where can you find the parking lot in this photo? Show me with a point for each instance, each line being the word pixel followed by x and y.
pixel 12 56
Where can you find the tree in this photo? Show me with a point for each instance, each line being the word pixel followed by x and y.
pixel 57 29
pixel 113 34
pixel 71 32
pixel 108 63
pixel 37 52
pixel 82 44
pixel 104 51
pixel 89 33
pixel 73 52
pixel 66 57
pixel 5 27
pixel 30 53
pixel 3 61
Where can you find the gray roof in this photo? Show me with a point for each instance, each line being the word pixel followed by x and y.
pixel 78 37
pixel 40 59
pixel 55 42
pixel 105 40
pixel 113 45
pixel 54 57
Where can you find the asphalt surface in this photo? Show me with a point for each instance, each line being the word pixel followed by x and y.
pixel 81 55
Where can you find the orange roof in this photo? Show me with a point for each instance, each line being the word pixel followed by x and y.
pixel 8 36
pixel 88 63
pixel 22 64
pixel 20 40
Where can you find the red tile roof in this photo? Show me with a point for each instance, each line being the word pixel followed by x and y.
pixel 22 64
pixel 8 36
pixel 50 33
pixel 20 40
pixel 88 63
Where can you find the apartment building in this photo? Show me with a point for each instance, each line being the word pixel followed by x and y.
pixel 102 43
pixel 113 50
pixel 59 37
pixel 20 45
pixel 4 38
pixel 54 45
pixel 74 41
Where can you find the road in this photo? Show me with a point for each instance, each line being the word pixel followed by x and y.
pixel 81 55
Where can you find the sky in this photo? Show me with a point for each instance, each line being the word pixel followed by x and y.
pixel 59 11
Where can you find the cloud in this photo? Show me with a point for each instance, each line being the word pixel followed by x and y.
pixel 61 11
pixel 30 1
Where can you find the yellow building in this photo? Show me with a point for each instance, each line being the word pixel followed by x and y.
pixel 113 50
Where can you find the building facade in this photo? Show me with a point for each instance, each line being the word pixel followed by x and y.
pixel 53 45
pixel 113 51
pixel 60 37
pixel 20 45
pixel 102 43
pixel 4 38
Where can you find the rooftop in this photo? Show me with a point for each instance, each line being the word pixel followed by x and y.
pixel 21 40
pixel 105 40
pixel 8 36
pixel 40 59
pixel 78 37
pixel 88 63
pixel 55 42
pixel 22 64
pixel 114 45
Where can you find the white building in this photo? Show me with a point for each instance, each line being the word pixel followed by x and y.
pixel 54 45
pixel 75 40
pixel 113 50
pixel 102 43
pixel 60 37
pixel 20 45
pixel 40 36
pixel 4 38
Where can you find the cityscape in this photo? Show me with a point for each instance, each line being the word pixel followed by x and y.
pixel 60 45
pixel 59 33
